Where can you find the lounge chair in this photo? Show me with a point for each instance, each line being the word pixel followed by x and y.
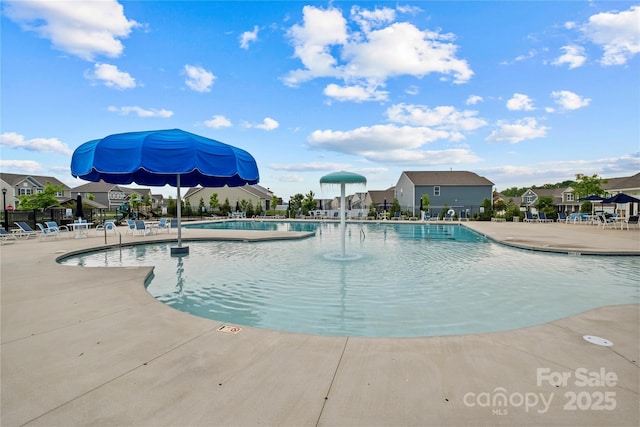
pixel 54 227
pixel 48 232
pixel 396 216
pixel 132 227
pixel 109 225
pixel 562 217
pixel 528 217
pixel 463 216
pixel 449 215
pixel 25 230
pixel 542 217
pixel 7 237
pixel 164 224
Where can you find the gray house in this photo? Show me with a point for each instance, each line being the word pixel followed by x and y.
pixel 457 190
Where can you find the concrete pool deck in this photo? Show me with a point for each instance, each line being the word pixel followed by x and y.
pixel 89 346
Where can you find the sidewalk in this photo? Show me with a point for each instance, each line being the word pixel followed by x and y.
pixel 89 346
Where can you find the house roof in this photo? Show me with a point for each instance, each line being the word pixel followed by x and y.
pixel 105 187
pixel 624 183
pixel 446 178
pixel 378 196
pixel 14 178
pixel 255 189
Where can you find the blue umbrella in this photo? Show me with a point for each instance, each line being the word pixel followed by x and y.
pixel 621 198
pixel 592 198
pixel 164 157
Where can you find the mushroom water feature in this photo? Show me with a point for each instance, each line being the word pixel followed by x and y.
pixel 342 178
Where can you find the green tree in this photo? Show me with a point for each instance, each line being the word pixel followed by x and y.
pixel 488 210
pixel 308 203
pixel 274 202
pixel 213 202
pixel 426 202
pixel 588 185
pixel 545 204
pixel 187 208
pixel 172 206
pixel 295 203
pixel 395 208
pixel 513 211
pixel 201 205
pixel 226 207
pixel 45 199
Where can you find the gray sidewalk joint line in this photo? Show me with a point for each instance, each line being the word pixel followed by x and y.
pixel 335 373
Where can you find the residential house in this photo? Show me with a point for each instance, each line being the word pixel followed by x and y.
pixel 259 196
pixel 17 185
pixel 563 199
pixel 381 199
pixel 112 196
pixel 457 190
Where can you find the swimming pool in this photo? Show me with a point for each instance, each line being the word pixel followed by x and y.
pixel 409 280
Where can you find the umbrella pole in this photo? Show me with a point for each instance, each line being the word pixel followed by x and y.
pixel 342 219
pixel 179 250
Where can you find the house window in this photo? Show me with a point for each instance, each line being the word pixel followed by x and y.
pixel 25 191
pixel 59 194
pixel 436 190
pixel 570 197
pixel 529 199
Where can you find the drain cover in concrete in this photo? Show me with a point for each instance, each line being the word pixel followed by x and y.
pixel 228 329
pixel 598 341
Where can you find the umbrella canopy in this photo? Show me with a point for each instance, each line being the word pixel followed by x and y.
pixel 592 198
pixel 164 157
pixel 621 198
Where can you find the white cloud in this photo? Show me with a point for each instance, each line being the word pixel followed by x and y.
pixel 111 76
pixel 24 166
pixel 288 178
pixel 42 145
pixel 527 128
pixel 198 78
pixel 378 138
pixel 355 93
pixel 618 33
pixel 573 56
pixel 308 167
pixel 217 122
pixel 81 28
pixel 520 102
pixel 367 58
pixel 248 37
pixel 442 117
pixel 473 100
pixel 267 124
pixel 368 19
pixel 141 112
pixel 425 158
pixel 569 100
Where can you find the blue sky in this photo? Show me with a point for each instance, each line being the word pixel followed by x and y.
pixel 523 93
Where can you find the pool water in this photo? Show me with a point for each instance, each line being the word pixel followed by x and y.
pixel 408 280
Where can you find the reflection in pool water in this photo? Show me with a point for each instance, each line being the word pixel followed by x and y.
pixel 409 280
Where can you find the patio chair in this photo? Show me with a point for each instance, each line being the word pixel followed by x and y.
pixel 53 226
pixel 463 216
pixel 109 225
pixel 542 217
pixel 449 215
pixel 25 230
pixel 528 217
pixel 6 237
pixel 48 232
pixel 164 224
pixel 173 223
pixel 605 222
pixel 132 227
pixel 633 220
pixel 81 228
pixel 562 217
pixel 142 228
